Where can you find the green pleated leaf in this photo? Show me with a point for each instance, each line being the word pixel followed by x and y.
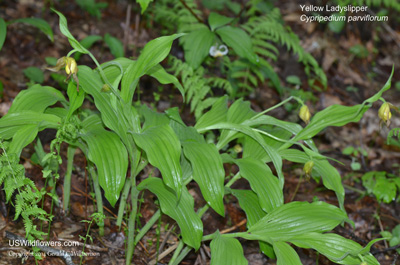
pixel 112 110
pixel 383 89
pixel 250 204
pixel 294 128
pixel 330 176
pixel 3 32
pixel 197 45
pixel 217 114
pixel 163 151
pixel 36 98
pixel 208 172
pixel 336 248
pixel 252 149
pixel 296 218
pixel 64 30
pixel 107 152
pixel 152 118
pixel 239 112
pixel 285 254
pixel 159 73
pixel 262 182
pixel 273 154
pixel 39 23
pixel 115 45
pixel 75 98
pixel 216 20
pixel 239 41
pixel 153 53
pixel 11 123
pixel 24 136
pixel 226 250
pixel 181 210
pixel 335 115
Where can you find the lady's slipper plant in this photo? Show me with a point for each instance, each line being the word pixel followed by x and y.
pixel 71 68
pixel 119 136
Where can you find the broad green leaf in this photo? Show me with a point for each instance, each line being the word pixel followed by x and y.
pixel 11 123
pixel 336 248
pixel 296 218
pixel 383 89
pixel 239 41
pixel 208 172
pixel 159 73
pixel 163 151
pixel 294 128
pixel 87 43
pixel 225 250
pixel 181 210
pixel 64 30
pixel 152 118
pixel 216 20
pixel 335 115
pixel 107 152
pixel 115 45
pixel 273 154
pixel 285 254
pixel 111 110
pixel 239 112
pixel 173 114
pixel 252 149
pixel 262 182
pixel 330 176
pixel 75 99
pixel 3 32
pixel 385 190
pixel 250 204
pixel 197 46
pixel 38 23
pixel 153 53
pixel 115 69
pixel 36 98
pixel 186 134
pixel 34 74
pixel 144 4
pixel 22 138
pixel 217 114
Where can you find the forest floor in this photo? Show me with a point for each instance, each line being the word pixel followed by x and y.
pixel 351 80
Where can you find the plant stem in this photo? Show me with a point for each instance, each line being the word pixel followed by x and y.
pixel 183 254
pixel 67 178
pixel 147 226
pixel 99 199
pixel 272 108
pixel 191 11
pixel 212 236
pixel 233 180
pixel 176 253
pixel 84 242
pixel 131 222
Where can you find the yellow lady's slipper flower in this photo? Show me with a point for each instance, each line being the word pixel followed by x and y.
pixel 384 113
pixel 305 114
pixel 71 68
pixel 308 168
